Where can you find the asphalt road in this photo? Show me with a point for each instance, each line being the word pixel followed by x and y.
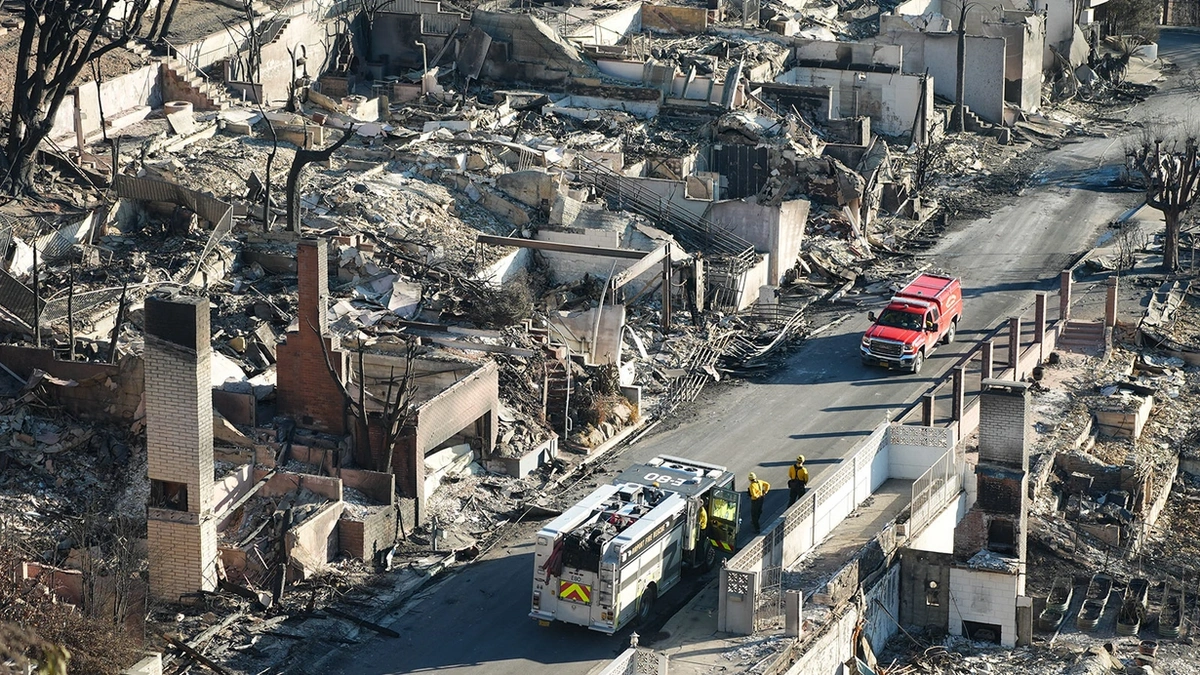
pixel 821 405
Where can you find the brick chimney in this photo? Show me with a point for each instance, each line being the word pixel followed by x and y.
pixel 1004 427
pixel 181 530
pixel 305 388
pixel 1002 476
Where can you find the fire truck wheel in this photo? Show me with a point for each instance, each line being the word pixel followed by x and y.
pixel 708 555
pixel 918 361
pixel 950 333
pixel 646 604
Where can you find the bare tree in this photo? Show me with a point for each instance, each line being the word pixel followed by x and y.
pixel 303 158
pixel 159 31
pixel 960 83
pixel 1129 242
pixel 58 39
pixel 367 10
pixel 251 32
pixel 395 406
pixel 1170 170
pixel 930 158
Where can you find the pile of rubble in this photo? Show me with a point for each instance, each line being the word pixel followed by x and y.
pixel 413 206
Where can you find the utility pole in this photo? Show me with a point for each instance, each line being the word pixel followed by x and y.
pixel 960 88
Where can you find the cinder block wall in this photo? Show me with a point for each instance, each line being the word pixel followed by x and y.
pixel 924 604
pixel 179 448
pixel 306 390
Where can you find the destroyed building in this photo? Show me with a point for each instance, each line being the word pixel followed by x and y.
pixel 544 228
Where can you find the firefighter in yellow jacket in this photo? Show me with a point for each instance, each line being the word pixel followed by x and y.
pixel 757 490
pixel 797 480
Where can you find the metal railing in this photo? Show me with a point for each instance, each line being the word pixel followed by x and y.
pixel 694 232
pixel 175 52
pixel 934 490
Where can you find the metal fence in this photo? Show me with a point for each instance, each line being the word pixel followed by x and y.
pixel 769 612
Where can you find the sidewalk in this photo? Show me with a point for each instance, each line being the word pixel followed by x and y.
pixel 690 638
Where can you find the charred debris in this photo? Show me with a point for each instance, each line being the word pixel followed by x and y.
pixel 423 287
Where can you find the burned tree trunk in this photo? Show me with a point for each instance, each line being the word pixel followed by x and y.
pixel 58 38
pixel 1172 183
pixel 304 158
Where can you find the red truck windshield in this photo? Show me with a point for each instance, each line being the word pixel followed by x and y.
pixel 898 319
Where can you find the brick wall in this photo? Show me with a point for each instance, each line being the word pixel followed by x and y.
pixel 178 374
pixel 178 384
pixel 1004 425
pixel 183 557
pixel 364 536
pixel 306 390
pixel 104 391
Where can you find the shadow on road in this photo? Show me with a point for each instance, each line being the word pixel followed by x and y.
pixel 480 617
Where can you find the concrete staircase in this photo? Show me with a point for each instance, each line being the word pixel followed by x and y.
pixel 973 124
pixel 1082 337
pixel 188 85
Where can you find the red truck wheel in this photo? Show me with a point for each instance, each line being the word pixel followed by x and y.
pixel 918 361
pixel 950 333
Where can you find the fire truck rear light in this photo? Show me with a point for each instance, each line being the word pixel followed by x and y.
pixel 537 599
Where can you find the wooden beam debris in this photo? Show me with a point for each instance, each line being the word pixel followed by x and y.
pixel 382 630
pixel 625 253
pixel 209 663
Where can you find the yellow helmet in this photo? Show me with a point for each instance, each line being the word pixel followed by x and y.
pixel 654 484
pixel 752 476
pixel 799 459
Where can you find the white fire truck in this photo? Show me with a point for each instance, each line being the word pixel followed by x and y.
pixel 604 561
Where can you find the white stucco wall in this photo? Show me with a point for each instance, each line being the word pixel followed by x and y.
pixel 863 53
pixel 1060 25
pixel 984 86
pixel 889 99
pixel 985 597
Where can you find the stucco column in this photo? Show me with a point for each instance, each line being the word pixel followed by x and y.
pixel 959 379
pixel 986 359
pixel 1064 295
pixel 1014 346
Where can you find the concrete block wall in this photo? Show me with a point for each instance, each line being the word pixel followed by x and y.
pixel 672 19
pixel 314 542
pixel 123 93
pixel 151 665
pixel 1004 427
pixel 178 373
pixel 568 267
pixel 306 389
pixel 457 408
pixel 985 597
pixel 891 100
pixel 922 603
